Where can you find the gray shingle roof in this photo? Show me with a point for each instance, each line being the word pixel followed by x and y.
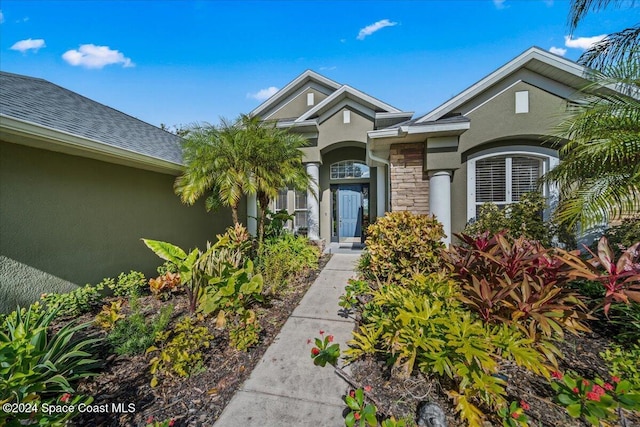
pixel 43 103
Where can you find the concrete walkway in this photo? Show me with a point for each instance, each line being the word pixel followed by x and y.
pixel 286 388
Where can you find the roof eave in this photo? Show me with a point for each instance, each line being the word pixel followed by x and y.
pixel 34 135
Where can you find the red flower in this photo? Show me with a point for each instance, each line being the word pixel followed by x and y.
pixel 172 422
pixel 321 332
pixel 575 390
pixel 65 398
pixel 593 396
pixel 515 415
pixel 608 386
pixel 315 351
pixel 615 379
pixel 330 338
pixel 352 393
pixel 598 390
pixel 356 415
pixel 557 375
pixel 367 388
pixel 524 405
pixel 150 419
pixel 585 382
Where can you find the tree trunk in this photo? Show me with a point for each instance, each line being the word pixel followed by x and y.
pixel 234 214
pixel 263 205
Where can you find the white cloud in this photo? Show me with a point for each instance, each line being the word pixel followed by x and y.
pixel 582 42
pixel 499 4
pixel 92 56
pixel 263 94
pixel 1 17
pixel 376 26
pixel 558 50
pixel 28 44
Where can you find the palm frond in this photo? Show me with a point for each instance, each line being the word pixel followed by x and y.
pixel 579 8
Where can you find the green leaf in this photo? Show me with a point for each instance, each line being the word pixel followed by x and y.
pixel 574 410
pixel 352 403
pixel 350 419
pixel 566 399
pixel 166 251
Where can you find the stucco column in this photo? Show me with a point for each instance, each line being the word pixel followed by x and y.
pixel 381 193
pixel 252 214
pixel 440 200
pixel 313 205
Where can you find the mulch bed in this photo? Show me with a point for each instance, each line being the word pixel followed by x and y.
pixel 200 399
pixel 401 397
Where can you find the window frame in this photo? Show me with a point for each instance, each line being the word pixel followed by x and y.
pixel 548 158
pixel 349 178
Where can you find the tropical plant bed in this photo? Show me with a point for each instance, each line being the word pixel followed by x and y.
pixel 401 397
pixel 199 399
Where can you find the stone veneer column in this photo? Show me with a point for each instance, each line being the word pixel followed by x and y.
pixel 313 206
pixel 440 200
pixel 409 182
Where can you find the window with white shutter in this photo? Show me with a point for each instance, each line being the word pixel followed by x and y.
pixel 504 179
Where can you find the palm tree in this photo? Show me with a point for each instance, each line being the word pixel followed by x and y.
pixel 239 159
pixel 217 161
pixel 617 47
pixel 599 177
pixel 277 163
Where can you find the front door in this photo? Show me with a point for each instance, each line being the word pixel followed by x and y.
pixel 350 213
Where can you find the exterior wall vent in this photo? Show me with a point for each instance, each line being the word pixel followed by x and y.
pixel 310 99
pixel 346 116
pixel 522 102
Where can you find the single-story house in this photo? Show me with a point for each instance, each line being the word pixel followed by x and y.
pixel 486 144
pixel 80 184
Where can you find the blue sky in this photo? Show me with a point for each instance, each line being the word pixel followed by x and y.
pixel 179 62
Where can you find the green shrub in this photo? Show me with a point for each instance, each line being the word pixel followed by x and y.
pixel 128 284
pixel 426 326
pixel 36 366
pixel 400 244
pixel 134 334
pixel 282 258
pixel 623 362
pixel 246 331
pixel 167 267
pixel 180 350
pixel 521 219
pixel 77 302
pixel 232 292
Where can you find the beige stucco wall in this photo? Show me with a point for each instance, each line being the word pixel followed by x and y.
pixel 495 123
pixel 298 105
pixel 81 219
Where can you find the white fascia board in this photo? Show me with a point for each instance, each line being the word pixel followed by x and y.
pixel 383 133
pixel 437 127
pixel 307 75
pixel 408 114
pixel 56 140
pixel 513 65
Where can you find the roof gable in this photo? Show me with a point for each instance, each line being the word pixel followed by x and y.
pixel 347 95
pixel 308 79
pixel 534 60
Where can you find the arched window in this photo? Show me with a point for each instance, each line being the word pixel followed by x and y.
pixel 503 177
pixel 349 169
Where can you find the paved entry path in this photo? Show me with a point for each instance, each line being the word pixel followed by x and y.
pixel 286 388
